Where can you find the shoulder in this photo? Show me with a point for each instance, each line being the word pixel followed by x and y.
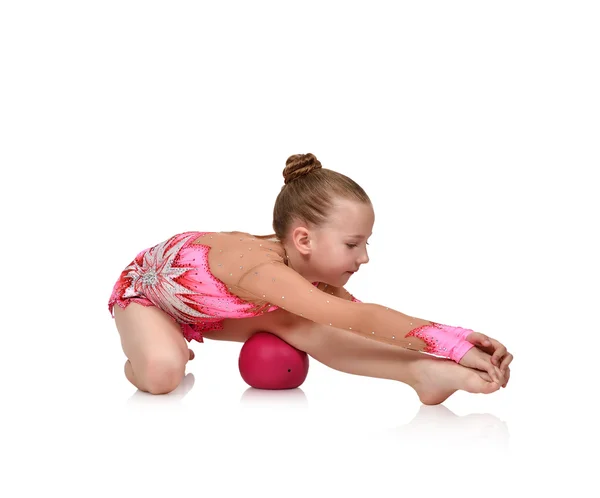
pixel 234 254
pixel 252 246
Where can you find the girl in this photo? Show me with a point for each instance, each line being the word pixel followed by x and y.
pixel 229 285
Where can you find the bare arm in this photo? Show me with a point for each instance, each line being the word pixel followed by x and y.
pixel 240 329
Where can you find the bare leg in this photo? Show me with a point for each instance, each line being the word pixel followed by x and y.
pixel 156 350
pixel 130 375
pixel 434 379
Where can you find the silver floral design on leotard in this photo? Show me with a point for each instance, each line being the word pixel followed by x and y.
pixel 155 279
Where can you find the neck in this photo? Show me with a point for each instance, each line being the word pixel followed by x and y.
pixel 298 263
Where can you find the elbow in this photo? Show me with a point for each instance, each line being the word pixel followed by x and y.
pixel 286 320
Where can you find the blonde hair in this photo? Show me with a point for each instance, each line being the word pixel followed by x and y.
pixel 309 192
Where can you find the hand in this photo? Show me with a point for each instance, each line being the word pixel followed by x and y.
pixel 480 360
pixel 500 357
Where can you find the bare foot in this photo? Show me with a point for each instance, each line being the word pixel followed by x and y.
pixel 436 379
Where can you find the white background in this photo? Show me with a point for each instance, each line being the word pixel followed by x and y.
pixel 473 126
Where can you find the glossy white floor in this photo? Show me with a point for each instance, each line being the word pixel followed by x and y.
pixel 472 126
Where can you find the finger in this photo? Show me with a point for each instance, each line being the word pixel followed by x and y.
pixel 486 366
pixel 482 361
pixel 484 375
pixel 506 361
pixel 484 343
pixel 479 338
pixel 499 377
pixel 506 376
pixel 498 354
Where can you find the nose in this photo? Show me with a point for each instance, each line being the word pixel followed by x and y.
pixel 363 259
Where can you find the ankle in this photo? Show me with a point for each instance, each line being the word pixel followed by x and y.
pixel 416 369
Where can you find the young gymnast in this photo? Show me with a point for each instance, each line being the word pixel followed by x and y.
pixel 229 285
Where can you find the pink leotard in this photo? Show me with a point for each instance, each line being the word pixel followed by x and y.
pixel 202 278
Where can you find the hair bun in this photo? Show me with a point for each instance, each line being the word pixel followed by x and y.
pixel 299 165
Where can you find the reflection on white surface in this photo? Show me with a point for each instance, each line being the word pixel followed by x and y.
pixel 174 397
pixel 431 425
pixel 276 397
pixel 437 424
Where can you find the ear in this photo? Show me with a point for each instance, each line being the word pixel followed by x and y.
pixel 301 240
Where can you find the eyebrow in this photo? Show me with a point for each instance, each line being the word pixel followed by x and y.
pixel 359 236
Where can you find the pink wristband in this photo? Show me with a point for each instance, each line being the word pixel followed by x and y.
pixel 459 332
pixel 444 340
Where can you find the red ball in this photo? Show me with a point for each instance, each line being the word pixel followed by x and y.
pixel 268 362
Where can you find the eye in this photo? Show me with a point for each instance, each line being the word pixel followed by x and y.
pixel 351 246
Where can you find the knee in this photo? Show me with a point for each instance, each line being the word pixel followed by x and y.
pixel 162 374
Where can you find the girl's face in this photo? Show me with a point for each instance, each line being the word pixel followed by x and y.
pixel 339 247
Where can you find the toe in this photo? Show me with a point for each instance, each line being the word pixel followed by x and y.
pixel 484 375
pixel 491 387
pixel 479 384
